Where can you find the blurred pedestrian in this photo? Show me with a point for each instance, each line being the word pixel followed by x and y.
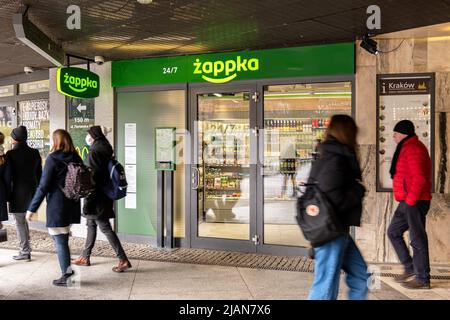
pixel 338 175
pixel 4 185
pixel 25 167
pixel 98 208
pixel 61 211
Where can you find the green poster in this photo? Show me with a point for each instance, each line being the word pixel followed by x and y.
pixel 81 118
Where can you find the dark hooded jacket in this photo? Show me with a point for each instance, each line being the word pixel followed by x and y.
pixel 25 165
pixel 5 177
pixel 337 172
pixel 61 211
pixel 98 205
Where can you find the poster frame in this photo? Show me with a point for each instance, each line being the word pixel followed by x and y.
pixel 160 165
pixel 380 77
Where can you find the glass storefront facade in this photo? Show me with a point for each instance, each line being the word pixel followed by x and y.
pixel 247 147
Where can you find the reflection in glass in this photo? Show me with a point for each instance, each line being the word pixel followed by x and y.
pixel 224 165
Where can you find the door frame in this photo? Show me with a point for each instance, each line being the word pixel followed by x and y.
pixel 221 243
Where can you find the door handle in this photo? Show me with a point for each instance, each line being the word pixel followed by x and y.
pixel 195 178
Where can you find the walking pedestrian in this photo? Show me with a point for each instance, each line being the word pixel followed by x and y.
pixel 338 173
pixel 98 208
pixel 61 211
pixel 25 166
pixel 4 185
pixel 411 174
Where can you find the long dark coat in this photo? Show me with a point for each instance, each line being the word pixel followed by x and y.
pixel 4 190
pixel 61 211
pixel 25 165
pixel 98 205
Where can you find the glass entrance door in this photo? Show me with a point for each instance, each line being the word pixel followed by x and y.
pixel 223 171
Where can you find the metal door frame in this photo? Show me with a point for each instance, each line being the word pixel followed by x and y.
pixel 278 249
pixel 221 243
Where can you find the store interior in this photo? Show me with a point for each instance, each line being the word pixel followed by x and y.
pixel 295 118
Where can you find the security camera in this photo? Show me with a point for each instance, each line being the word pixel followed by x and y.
pixel 28 70
pixel 99 60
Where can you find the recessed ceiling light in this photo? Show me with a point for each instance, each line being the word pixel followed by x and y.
pixel 145 1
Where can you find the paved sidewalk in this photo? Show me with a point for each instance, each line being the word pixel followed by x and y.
pixel 162 280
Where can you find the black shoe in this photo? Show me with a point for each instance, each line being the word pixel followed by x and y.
pixel 23 256
pixel 414 284
pixel 403 277
pixel 62 282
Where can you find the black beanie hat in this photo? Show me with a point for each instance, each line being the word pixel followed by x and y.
pixel 405 127
pixel 20 134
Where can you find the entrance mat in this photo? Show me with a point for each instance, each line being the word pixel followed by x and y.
pixel 42 242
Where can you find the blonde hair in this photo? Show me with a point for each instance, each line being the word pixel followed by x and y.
pixel 62 141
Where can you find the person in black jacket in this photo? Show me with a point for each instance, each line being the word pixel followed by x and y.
pixel 25 166
pixel 4 186
pixel 338 175
pixel 98 208
pixel 61 211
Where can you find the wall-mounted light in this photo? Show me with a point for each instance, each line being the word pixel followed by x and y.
pixel 145 1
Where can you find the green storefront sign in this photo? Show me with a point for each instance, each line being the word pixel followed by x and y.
pixel 308 61
pixel 78 83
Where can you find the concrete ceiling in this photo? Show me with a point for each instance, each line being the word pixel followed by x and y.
pixel 125 29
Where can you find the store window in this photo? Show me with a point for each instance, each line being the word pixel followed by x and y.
pixel 24 100
pixel 35 115
pixel 7 116
pixel 295 120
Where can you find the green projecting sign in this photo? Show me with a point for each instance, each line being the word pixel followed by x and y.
pixel 78 83
pixel 308 61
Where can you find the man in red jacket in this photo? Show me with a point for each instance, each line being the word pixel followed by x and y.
pixel 411 171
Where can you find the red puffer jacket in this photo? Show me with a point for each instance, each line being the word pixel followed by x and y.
pixel 412 179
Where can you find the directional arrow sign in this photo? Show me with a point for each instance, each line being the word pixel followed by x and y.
pixel 81 108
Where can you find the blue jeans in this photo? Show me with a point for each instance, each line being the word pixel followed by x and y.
pixel 330 258
pixel 63 251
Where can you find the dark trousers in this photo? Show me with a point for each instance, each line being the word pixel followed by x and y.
pixel 105 228
pixel 412 218
pixel 63 252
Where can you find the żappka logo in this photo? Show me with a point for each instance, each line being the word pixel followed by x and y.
pixel 224 71
pixel 78 83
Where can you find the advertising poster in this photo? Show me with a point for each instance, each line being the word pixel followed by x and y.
pixel 6 124
pixel 81 118
pixel 35 115
pixel 401 98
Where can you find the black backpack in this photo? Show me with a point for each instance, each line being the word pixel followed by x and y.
pixel 317 217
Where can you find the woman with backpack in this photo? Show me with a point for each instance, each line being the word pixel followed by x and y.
pixel 338 175
pixel 62 212
pixel 98 208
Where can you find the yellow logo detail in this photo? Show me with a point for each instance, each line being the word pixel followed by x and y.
pixel 82 153
pixel 228 69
